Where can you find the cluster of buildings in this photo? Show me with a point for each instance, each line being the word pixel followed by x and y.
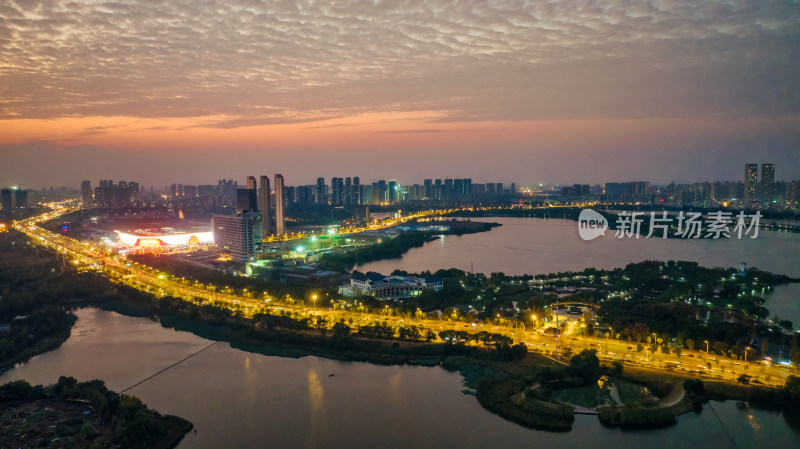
pixel 351 192
pixel 754 192
pixel 339 192
pixel 241 234
pixel 389 287
pixel 247 214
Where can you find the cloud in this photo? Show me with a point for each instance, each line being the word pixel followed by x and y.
pixel 415 131
pixel 262 62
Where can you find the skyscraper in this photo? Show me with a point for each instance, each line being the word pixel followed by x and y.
pixel 251 182
pixel 6 200
pixel 348 191
pixel 448 189
pixel 767 182
pixel 263 199
pixel 86 193
pixel 392 191
pixel 20 199
pixel 380 195
pixel 750 183
pixel 356 195
pixel 337 193
pixel 321 197
pixel 246 199
pixel 279 204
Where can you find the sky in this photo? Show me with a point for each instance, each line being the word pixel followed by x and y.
pixel 581 91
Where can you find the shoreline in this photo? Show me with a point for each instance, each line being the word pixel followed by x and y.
pixel 494 381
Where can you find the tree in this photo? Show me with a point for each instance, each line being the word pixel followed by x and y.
pixel 743 379
pixel 690 344
pixel 585 365
pixel 15 390
pixel 639 331
pixel 341 330
pixel 720 347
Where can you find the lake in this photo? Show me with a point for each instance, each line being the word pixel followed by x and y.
pixel 245 400
pixel 541 246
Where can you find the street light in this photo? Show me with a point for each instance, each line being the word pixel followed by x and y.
pixel 314 301
pixel 706 342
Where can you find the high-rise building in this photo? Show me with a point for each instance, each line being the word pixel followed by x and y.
pixel 263 201
pixel 239 235
pixel 767 182
pixel 86 193
pixel 393 193
pixel 448 189
pixel 365 194
pixel 428 188
pixel 381 194
pixel 793 193
pixel 356 195
pixel 188 191
pixel 337 191
pixel 20 199
pixel 321 197
pixel 246 199
pixel 6 200
pixel 251 182
pixel 303 195
pixel 279 204
pixel 750 183
pixel 348 191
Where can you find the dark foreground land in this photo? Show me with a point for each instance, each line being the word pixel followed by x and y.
pixel 71 414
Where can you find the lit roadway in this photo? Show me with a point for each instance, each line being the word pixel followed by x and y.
pixel 123 271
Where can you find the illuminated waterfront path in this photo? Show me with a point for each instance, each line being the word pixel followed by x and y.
pixel 147 279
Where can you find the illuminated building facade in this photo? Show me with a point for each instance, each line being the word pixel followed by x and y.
pixel 767 186
pixel 750 183
pixel 239 235
pixel 279 204
pixel 263 201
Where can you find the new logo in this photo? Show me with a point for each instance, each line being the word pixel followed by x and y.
pixel 591 224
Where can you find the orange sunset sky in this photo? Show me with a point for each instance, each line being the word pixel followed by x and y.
pixel 531 92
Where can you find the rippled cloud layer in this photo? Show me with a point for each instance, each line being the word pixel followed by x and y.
pixel 251 62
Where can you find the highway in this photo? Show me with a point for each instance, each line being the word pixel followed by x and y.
pixel 122 271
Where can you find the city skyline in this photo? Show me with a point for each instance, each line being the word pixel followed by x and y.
pixel 538 93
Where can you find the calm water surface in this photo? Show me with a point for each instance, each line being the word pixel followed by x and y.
pixel 540 246
pixel 240 399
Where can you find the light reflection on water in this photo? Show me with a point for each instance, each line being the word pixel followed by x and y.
pixel 241 399
pixel 541 246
